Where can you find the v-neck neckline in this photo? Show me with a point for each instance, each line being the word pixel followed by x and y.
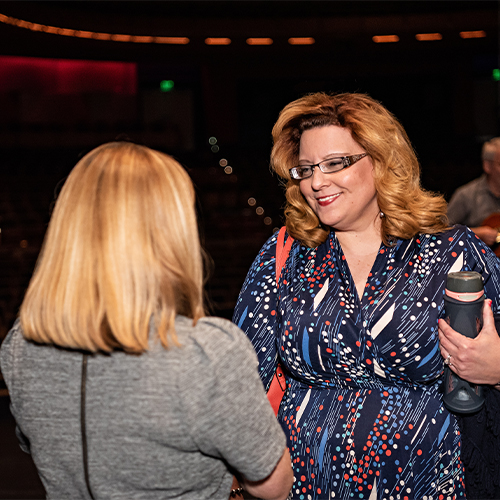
pixel 346 272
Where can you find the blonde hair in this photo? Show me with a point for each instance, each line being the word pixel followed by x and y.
pixel 121 251
pixel 408 209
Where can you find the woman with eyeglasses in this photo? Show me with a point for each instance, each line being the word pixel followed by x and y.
pixel 121 387
pixel 353 318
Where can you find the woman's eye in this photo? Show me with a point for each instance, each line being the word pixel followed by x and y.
pixel 334 163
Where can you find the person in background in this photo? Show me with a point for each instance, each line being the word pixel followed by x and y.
pixel 121 387
pixel 354 317
pixel 477 204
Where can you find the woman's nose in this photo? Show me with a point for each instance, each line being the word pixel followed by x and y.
pixel 318 179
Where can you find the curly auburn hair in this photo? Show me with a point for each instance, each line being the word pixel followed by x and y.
pixel 408 208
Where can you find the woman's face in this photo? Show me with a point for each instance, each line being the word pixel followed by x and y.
pixel 345 200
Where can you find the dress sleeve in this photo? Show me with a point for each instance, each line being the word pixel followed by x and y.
pixel 255 311
pixel 481 258
pixel 225 406
pixel 480 432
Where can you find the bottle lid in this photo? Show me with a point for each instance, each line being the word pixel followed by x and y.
pixel 464 281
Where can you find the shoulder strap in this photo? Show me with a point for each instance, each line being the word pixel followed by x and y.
pixel 282 251
pixel 277 387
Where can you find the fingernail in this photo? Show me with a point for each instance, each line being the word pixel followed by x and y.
pixel 490 302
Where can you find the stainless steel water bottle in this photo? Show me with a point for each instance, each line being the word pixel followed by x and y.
pixel 463 303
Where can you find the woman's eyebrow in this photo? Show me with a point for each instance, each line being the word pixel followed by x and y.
pixel 327 157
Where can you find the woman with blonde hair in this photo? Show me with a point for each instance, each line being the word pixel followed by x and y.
pixel 353 316
pixel 120 386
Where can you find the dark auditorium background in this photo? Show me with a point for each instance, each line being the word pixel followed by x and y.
pixel 205 81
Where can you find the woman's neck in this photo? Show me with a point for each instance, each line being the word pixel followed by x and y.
pixel 362 241
pixel 360 249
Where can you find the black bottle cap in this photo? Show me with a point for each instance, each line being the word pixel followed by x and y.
pixel 464 281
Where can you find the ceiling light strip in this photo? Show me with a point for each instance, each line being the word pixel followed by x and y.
pixel 428 37
pixel 217 41
pixel 301 40
pixel 176 40
pixel 385 38
pixel 113 37
pixel 259 41
pixel 473 34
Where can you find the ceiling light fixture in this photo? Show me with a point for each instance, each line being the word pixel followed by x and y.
pixel 113 37
pixel 259 41
pixel 385 38
pixel 472 34
pixel 217 41
pixel 428 37
pixel 305 40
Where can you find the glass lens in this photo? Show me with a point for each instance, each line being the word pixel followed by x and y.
pixel 301 172
pixel 332 165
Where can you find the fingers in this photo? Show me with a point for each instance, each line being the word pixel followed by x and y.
pixel 444 343
pixel 488 319
pixel 451 338
pixel 448 337
pixel 452 346
pixel 474 359
pixel 448 359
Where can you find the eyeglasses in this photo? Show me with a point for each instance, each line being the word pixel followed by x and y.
pixel 328 166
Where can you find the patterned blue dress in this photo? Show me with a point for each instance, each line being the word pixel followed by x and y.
pixel 363 410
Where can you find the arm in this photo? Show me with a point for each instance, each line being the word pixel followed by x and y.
pixel 12 343
pixel 277 485
pixel 486 233
pixel 225 408
pixel 255 312
pixel 475 360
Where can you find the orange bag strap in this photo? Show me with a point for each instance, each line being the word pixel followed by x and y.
pixel 277 387
pixel 282 251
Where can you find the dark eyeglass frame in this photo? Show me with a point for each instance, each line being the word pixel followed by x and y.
pixel 347 161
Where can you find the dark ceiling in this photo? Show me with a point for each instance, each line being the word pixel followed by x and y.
pixel 304 8
pixel 239 88
pixel 249 8
pixel 346 26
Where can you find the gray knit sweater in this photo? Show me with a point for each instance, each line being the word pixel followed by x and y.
pixel 165 424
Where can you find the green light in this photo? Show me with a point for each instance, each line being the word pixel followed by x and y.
pixel 496 74
pixel 166 85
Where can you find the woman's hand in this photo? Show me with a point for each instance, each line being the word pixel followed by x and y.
pixel 475 360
